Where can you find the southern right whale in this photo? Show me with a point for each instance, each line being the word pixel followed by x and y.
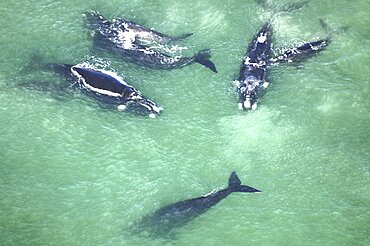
pixel 164 220
pixel 252 80
pixel 108 87
pixel 125 38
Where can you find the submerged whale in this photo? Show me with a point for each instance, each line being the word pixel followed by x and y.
pixel 252 80
pixel 108 87
pixel 134 41
pixel 164 220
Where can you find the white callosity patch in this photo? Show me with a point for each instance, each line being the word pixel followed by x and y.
pixel 254 106
pixel 262 38
pixel 247 103
pixel 121 107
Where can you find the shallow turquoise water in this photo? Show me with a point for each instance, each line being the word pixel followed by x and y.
pixel 73 173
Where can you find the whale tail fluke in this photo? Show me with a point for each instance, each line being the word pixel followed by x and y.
pixel 236 186
pixel 203 57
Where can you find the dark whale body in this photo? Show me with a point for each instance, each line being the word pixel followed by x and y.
pixel 133 42
pixel 252 80
pixel 164 220
pixel 141 33
pixel 109 88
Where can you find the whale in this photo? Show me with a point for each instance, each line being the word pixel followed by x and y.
pixel 126 38
pixel 108 87
pixel 165 220
pixel 252 80
pixel 141 33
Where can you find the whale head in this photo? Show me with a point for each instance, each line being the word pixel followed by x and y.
pixel 249 89
pixel 137 104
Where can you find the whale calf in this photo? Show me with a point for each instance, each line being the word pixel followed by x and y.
pixel 165 219
pixel 126 38
pixel 108 87
pixel 253 76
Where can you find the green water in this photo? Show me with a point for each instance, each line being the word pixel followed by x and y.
pixel 72 173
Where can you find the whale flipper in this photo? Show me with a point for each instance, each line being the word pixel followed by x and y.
pixel 203 57
pixel 308 49
pixel 301 52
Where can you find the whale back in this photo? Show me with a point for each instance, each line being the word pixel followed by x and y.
pixel 101 80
